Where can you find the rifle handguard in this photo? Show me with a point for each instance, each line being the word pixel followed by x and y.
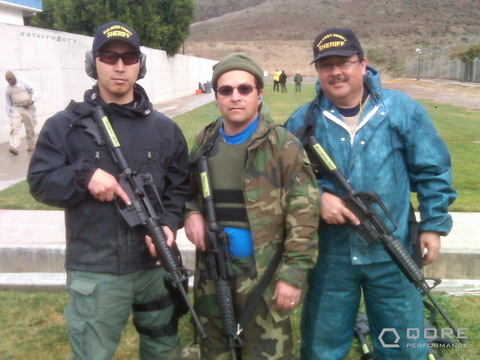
pixel 164 252
pixel 403 259
pixel 225 304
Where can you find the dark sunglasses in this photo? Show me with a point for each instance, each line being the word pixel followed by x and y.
pixel 111 57
pixel 243 89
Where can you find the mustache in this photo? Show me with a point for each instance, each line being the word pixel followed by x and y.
pixel 337 79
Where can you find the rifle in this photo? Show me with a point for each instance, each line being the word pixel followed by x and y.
pixel 372 227
pixel 218 265
pixel 361 331
pixel 141 211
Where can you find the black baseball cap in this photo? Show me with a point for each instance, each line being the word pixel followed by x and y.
pixel 337 42
pixel 115 31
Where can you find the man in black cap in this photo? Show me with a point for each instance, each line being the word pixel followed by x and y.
pixel 109 267
pixel 382 141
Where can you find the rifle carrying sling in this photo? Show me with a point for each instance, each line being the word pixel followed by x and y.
pixel 260 289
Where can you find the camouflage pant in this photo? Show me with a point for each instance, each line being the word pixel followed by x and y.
pixel 264 338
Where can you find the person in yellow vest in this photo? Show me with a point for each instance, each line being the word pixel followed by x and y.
pixel 20 97
pixel 276 80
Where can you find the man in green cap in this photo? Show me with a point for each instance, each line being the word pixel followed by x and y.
pixel 266 199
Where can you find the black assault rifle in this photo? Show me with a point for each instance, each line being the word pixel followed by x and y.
pixel 141 211
pixel 372 228
pixel 218 265
pixel 361 331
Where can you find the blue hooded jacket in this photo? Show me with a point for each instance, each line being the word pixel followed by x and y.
pixel 395 150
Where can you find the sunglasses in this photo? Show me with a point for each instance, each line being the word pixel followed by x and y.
pixel 111 57
pixel 243 89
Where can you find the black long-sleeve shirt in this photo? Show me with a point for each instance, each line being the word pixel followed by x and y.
pixel 65 158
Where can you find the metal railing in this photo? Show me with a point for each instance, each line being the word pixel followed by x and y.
pixel 447 69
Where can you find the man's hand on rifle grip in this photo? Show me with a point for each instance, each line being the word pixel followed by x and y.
pixel 170 240
pixel 430 240
pixel 195 230
pixel 104 186
pixel 334 212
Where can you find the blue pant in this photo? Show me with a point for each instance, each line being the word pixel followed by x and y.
pixel 331 305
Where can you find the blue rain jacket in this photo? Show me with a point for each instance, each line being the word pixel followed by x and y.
pixel 395 150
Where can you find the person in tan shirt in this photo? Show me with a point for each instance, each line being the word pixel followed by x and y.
pixel 20 97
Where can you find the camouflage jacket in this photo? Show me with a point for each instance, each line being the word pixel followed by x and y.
pixel 282 202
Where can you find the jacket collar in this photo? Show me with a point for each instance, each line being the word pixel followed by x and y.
pixel 142 107
pixel 265 123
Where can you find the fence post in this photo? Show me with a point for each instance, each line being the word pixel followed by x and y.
pixel 474 79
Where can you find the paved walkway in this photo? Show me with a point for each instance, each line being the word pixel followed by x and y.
pixel 32 257
pixel 13 168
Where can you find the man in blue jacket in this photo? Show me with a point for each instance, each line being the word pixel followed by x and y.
pixel 382 141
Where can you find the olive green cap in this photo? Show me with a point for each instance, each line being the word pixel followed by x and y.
pixel 237 61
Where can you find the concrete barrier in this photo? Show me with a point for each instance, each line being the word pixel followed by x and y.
pixel 55 62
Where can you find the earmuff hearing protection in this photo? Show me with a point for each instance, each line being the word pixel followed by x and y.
pixel 91 70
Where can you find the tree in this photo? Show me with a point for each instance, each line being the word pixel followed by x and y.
pixel 472 53
pixel 163 24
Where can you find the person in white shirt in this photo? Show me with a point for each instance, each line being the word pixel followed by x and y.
pixel 20 96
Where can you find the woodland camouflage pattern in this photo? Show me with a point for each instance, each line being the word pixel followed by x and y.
pixel 282 202
pixel 262 340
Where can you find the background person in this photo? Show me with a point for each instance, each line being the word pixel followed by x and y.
pixel 298 81
pixel 382 141
pixel 276 80
pixel 20 97
pixel 109 267
pixel 283 81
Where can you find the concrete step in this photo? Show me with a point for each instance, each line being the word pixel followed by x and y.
pixel 450 264
pixel 34 241
pixel 50 258
pixel 56 282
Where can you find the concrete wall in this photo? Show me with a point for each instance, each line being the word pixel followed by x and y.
pixel 54 62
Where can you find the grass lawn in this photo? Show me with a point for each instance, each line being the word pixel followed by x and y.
pixel 459 128
pixel 32 327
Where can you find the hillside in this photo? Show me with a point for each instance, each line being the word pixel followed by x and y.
pixel 209 9
pixel 280 33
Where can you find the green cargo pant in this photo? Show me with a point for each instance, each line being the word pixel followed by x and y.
pixel 264 338
pixel 99 308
